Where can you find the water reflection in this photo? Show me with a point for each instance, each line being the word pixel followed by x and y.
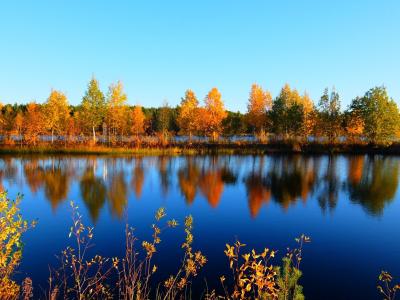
pixel 188 178
pixel 138 178
pixel 368 181
pixel 93 191
pixel 53 176
pixel 373 182
pixel 330 182
pixel 117 190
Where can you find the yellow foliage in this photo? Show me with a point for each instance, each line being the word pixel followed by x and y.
pixel 56 112
pixel 187 118
pixel 138 120
pixel 214 113
pixel 259 103
pixel 12 226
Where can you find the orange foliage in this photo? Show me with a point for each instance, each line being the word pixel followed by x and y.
pixel 187 118
pixel 138 179
pixel 138 120
pixel 257 193
pixel 212 186
pixel 33 125
pixel 259 103
pixel 354 127
pixel 214 113
pixel 188 181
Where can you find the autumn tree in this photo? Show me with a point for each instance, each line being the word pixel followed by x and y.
pixel 93 107
pixel 164 119
pixel 18 123
pixel 187 118
pixel 116 109
pixel 379 114
pixel 214 113
pixel 33 123
pixel 8 114
pixel 329 115
pixel 56 113
pixel 259 103
pixel 138 120
pixel 354 126
pixel 309 115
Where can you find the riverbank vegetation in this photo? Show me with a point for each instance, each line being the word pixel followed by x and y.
pixel 288 122
pixel 82 274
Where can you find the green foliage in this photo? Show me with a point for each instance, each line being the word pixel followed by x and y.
pixel 234 123
pixel 287 113
pixel 329 115
pixel 93 106
pixel 379 113
pixel 288 277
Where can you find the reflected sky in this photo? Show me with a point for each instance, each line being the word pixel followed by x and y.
pixel 346 203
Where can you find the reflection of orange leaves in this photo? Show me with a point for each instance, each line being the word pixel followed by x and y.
pixel 188 188
pixel 117 194
pixel 257 192
pixel 56 186
pixel 356 166
pixel 34 175
pixel 212 186
pixel 258 195
pixel 307 183
pixel 137 180
pixel 188 178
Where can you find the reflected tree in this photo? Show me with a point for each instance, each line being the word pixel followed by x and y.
pixel 285 180
pixel 117 193
pixel 258 192
pixel 377 186
pixel 328 196
pixel 56 184
pixel 188 178
pixel 93 192
pixel 137 179
pixel 355 169
pixel 164 168
pixel 34 175
pixel 211 183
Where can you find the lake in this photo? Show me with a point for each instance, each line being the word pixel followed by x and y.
pixel 348 205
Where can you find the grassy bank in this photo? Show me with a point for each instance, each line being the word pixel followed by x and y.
pixel 205 148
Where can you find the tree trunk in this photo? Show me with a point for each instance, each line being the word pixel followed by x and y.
pixel 94 136
pixel 52 136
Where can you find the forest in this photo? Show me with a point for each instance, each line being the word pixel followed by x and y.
pixel 108 119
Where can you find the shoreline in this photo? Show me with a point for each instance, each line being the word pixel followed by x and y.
pixel 207 148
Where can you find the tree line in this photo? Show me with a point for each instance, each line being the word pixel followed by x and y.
pixel 107 117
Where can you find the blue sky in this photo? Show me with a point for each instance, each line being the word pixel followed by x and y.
pixel 158 49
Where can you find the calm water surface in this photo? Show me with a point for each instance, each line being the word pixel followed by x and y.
pixel 349 205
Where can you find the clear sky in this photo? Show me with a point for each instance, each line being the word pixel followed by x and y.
pixel 158 49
